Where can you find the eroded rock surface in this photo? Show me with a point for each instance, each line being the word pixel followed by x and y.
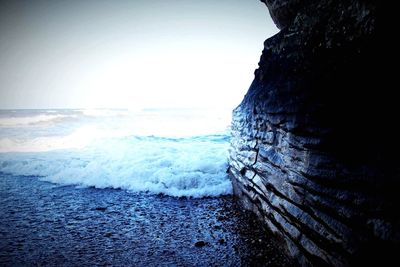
pixel 312 146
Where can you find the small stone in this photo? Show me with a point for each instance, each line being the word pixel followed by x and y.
pixel 108 234
pixel 200 244
pixel 101 209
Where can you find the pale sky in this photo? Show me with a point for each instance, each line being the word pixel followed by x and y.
pixel 129 54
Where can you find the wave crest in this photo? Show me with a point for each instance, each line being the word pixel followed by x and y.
pixel 191 167
pixel 32 120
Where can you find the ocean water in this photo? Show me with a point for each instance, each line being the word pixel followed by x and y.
pixel 123 188
pixel 175 152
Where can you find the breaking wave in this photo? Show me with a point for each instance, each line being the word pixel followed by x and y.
pixel 109 157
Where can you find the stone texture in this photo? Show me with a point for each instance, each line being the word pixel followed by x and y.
pixel 312 146
pixel 283 12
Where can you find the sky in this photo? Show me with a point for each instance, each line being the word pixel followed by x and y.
pixel 129 54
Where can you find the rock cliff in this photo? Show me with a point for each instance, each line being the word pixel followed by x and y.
pixel 312 143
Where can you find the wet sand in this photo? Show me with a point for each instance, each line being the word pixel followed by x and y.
pixel 47 225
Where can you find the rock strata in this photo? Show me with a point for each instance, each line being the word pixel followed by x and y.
pixel 312 149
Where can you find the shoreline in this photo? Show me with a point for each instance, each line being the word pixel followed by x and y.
pixel 43 224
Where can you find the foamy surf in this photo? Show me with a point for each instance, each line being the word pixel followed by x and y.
pixel 92 153
pixel 25 121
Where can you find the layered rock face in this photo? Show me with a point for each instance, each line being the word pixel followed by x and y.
pixel 312 146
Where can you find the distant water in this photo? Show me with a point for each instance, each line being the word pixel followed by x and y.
pixel 176 152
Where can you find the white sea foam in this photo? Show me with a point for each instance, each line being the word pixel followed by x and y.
pixel 104 112
pixel 177 167
pixel 29 120
pixel 78 139
pixel 103 154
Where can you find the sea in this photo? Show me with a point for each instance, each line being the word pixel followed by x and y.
pixel 107 187
pixel 175 152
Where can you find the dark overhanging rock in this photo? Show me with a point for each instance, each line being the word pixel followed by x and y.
pixel 312 147
pixel 283 12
